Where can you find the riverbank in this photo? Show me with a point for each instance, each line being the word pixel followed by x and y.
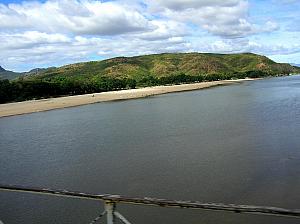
pixel 25 107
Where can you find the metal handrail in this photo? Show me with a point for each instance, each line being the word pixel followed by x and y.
pixel 112 200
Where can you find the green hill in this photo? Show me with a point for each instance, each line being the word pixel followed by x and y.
pixel 165 65
pixel 129 72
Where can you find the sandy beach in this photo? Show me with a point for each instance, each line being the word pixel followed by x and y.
pixel 25 107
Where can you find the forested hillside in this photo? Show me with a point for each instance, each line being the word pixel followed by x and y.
pixel 130 72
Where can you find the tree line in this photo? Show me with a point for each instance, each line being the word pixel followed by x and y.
pixel 28 89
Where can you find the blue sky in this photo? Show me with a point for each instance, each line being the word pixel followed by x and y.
pixel 57 32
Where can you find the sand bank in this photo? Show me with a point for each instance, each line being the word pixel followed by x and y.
pixel 32 106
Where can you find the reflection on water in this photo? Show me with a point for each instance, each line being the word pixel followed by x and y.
pixel 233 144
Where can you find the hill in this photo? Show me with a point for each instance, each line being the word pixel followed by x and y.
pixel 165 65
pixel 129 72
pixel 5 74
pixel 36 71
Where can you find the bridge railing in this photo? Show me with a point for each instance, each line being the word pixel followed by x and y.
pixel 110 202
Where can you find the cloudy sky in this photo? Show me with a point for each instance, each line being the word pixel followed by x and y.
pixel 45 33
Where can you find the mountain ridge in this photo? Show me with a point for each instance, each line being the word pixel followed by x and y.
pixel 167 64
pixel 159 65
pixel 295 65
pixel 6 74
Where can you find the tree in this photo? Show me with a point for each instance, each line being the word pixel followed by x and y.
pixel 131 83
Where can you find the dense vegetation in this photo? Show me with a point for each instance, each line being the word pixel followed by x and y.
pixel 122 73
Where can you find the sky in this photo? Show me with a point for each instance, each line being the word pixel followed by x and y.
pixel 45 33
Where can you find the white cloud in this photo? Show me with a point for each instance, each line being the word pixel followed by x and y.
pixel 58 32
pixel 30 39
pixel 186 4
pixel 80 17
pixel 89 17
pixel 245 45
pixel 228 19
pixel 164 30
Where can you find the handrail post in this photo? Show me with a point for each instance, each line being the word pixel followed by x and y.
pixel 110 209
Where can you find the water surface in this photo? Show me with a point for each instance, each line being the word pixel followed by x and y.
pixel 232 144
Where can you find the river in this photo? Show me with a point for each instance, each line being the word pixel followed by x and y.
pixel 230 144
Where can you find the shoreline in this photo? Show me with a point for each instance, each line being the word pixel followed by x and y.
pixel 32 106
